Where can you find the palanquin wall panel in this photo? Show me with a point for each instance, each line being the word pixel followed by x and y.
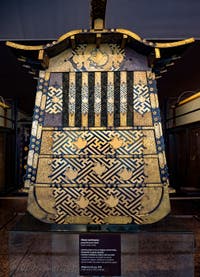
pixel 97 153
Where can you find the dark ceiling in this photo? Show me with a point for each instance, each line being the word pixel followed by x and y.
pixel 49 19
pixel 17 83
pixel 46 20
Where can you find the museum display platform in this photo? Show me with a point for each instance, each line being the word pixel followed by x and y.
pixel 165 248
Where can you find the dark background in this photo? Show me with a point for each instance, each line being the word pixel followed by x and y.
pixel 49 19
pixel 36 22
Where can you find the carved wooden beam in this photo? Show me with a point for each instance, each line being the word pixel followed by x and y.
pixel 98 40
pixel 73 43
pixel 43 57
pixel 98 11
pixel 124 40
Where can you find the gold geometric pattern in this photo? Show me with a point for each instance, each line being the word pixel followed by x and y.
pixel 141 101
pixel 98 142
pixel 97 204
pixel 90 58
pixel 97 171
pixel 109 96
pixel 54 103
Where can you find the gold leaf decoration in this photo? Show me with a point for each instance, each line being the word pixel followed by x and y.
pixel 125 174
pixel 106 57
pixel 112 201
pixel 82 202
pixel 80 143
pixel 70 173
pixel 116 142
pixel 99 169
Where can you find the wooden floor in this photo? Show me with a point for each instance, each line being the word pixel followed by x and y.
pixel 12 209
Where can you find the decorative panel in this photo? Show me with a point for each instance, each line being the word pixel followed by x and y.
pixel 100 99
pixel 110 204
pixel 92 171
pixel 108 57
pixel 54 101
pixel 98 142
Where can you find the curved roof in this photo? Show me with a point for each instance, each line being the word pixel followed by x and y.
pixel 130 34
pixel 160 54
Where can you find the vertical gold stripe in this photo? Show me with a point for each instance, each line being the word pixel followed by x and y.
pixel 39 131
pixel 97 120
pixel 35 160
pixel 38 98
pixel 30 157
pixel 123 99
pixel 157 53
pixel 156 100
pixel 84 106
pixel 110 119
pixel 84 120
pixel 110 99
pixel 123 121
pixel 97 98
pixel 140 77
pixel 47 76
pixel 72 98
pixel 71 120
pixel 41 54
pixel 43 102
